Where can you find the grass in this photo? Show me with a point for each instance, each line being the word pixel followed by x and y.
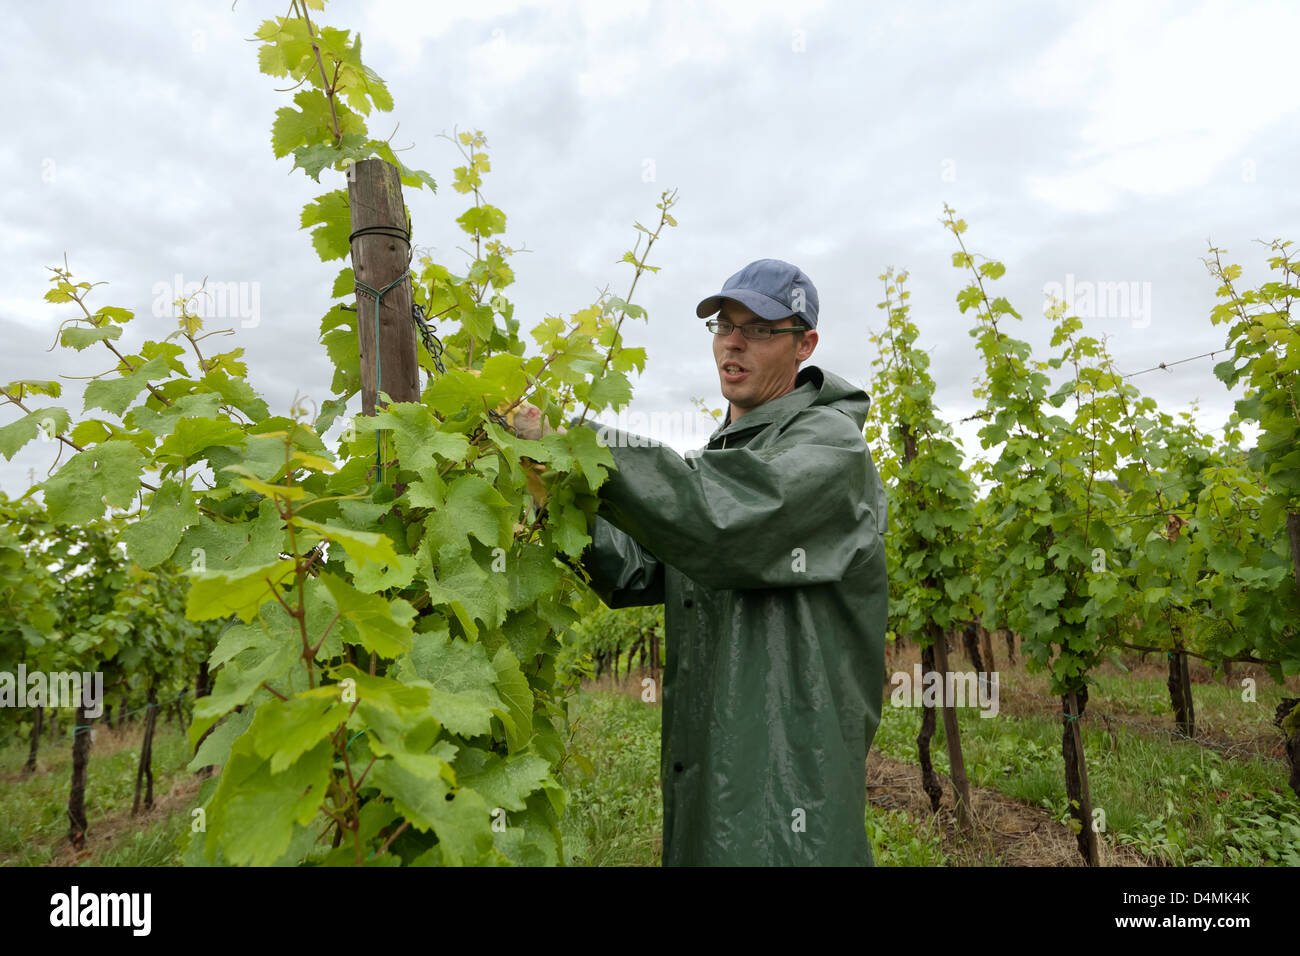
pixel 1176 801
pixel 898 839
pixel 614 816
pixel 33 807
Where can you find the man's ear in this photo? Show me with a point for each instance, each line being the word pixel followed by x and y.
pixel 807 342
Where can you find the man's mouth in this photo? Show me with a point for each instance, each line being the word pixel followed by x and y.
pixel 733 372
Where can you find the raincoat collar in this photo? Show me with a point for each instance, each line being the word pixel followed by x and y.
pixel 813 386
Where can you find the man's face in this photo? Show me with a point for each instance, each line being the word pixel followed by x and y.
pixel 755 372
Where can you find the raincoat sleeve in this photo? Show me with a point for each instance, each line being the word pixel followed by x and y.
pixel 802 509
pixel 622 572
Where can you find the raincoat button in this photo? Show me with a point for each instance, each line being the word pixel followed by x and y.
pixel 689 603
pixel 678 767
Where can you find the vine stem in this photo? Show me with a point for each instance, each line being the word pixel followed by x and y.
pixel 325 83
pixel 669 198
pixel 90 317
pixel 395 834
pixel 300 568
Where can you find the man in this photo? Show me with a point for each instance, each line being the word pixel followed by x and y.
pixel 766 551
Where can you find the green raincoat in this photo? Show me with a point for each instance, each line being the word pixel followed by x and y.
pixel 766 549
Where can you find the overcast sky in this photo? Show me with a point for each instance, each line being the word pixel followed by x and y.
pixel 1082 142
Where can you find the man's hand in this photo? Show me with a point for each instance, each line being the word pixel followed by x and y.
pixel 530 424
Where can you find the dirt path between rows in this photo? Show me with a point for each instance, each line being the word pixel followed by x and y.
pixel 1007 832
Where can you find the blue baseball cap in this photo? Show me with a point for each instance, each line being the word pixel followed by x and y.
pixel 769 288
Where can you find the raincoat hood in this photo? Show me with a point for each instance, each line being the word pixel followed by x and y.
pixel 766 550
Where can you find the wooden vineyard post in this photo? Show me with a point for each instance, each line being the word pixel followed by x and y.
pixel 970 640
pixel 202 688
pixel 986 646
pixel 1087 836
pixel 381 251
pixel 77 792
pixel 1180 689
pixel 37 715
pixel 929 780
pixel 144 773
pixel 952 736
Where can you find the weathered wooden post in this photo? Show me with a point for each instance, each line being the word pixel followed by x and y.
pixel 952 735
pixel 381 252
pixel 1076 776
pixel 81 740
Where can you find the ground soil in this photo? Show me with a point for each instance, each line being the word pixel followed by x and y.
pixel 1006 832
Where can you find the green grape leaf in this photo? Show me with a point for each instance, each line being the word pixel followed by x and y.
pixel 238 591
pixel 236 392
pixel 364 546
pixel 505 781
pixel 114 395
pixel 380 696
pixel 512 685
pixel 461 823
pixel 49 422
pixel 484 220
pixel 31 386
pixel 192 435
pixel 383 626
pixel 215 748
pixel 162 421
pixel 81 337
pixel 472 506
pixel 224 546
pixel 463 696
pixel 239 679
pixel 371 577
pixel 532 574
pixel 253 812
pixel 332 218
pixel 316 156
pixel 107 473
pixel 611 391
pixel 458 581
pixel 287 729
pixel 153 539
pixel 415 435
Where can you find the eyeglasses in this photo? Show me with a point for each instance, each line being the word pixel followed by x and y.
pixel 753 331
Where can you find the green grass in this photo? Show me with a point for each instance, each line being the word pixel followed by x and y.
pixel 1218 706
pixel 614 817
pixel 897 839
pixel 1175 801
pixel 33 809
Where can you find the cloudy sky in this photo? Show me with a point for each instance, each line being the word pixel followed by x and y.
pixel 1084 143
